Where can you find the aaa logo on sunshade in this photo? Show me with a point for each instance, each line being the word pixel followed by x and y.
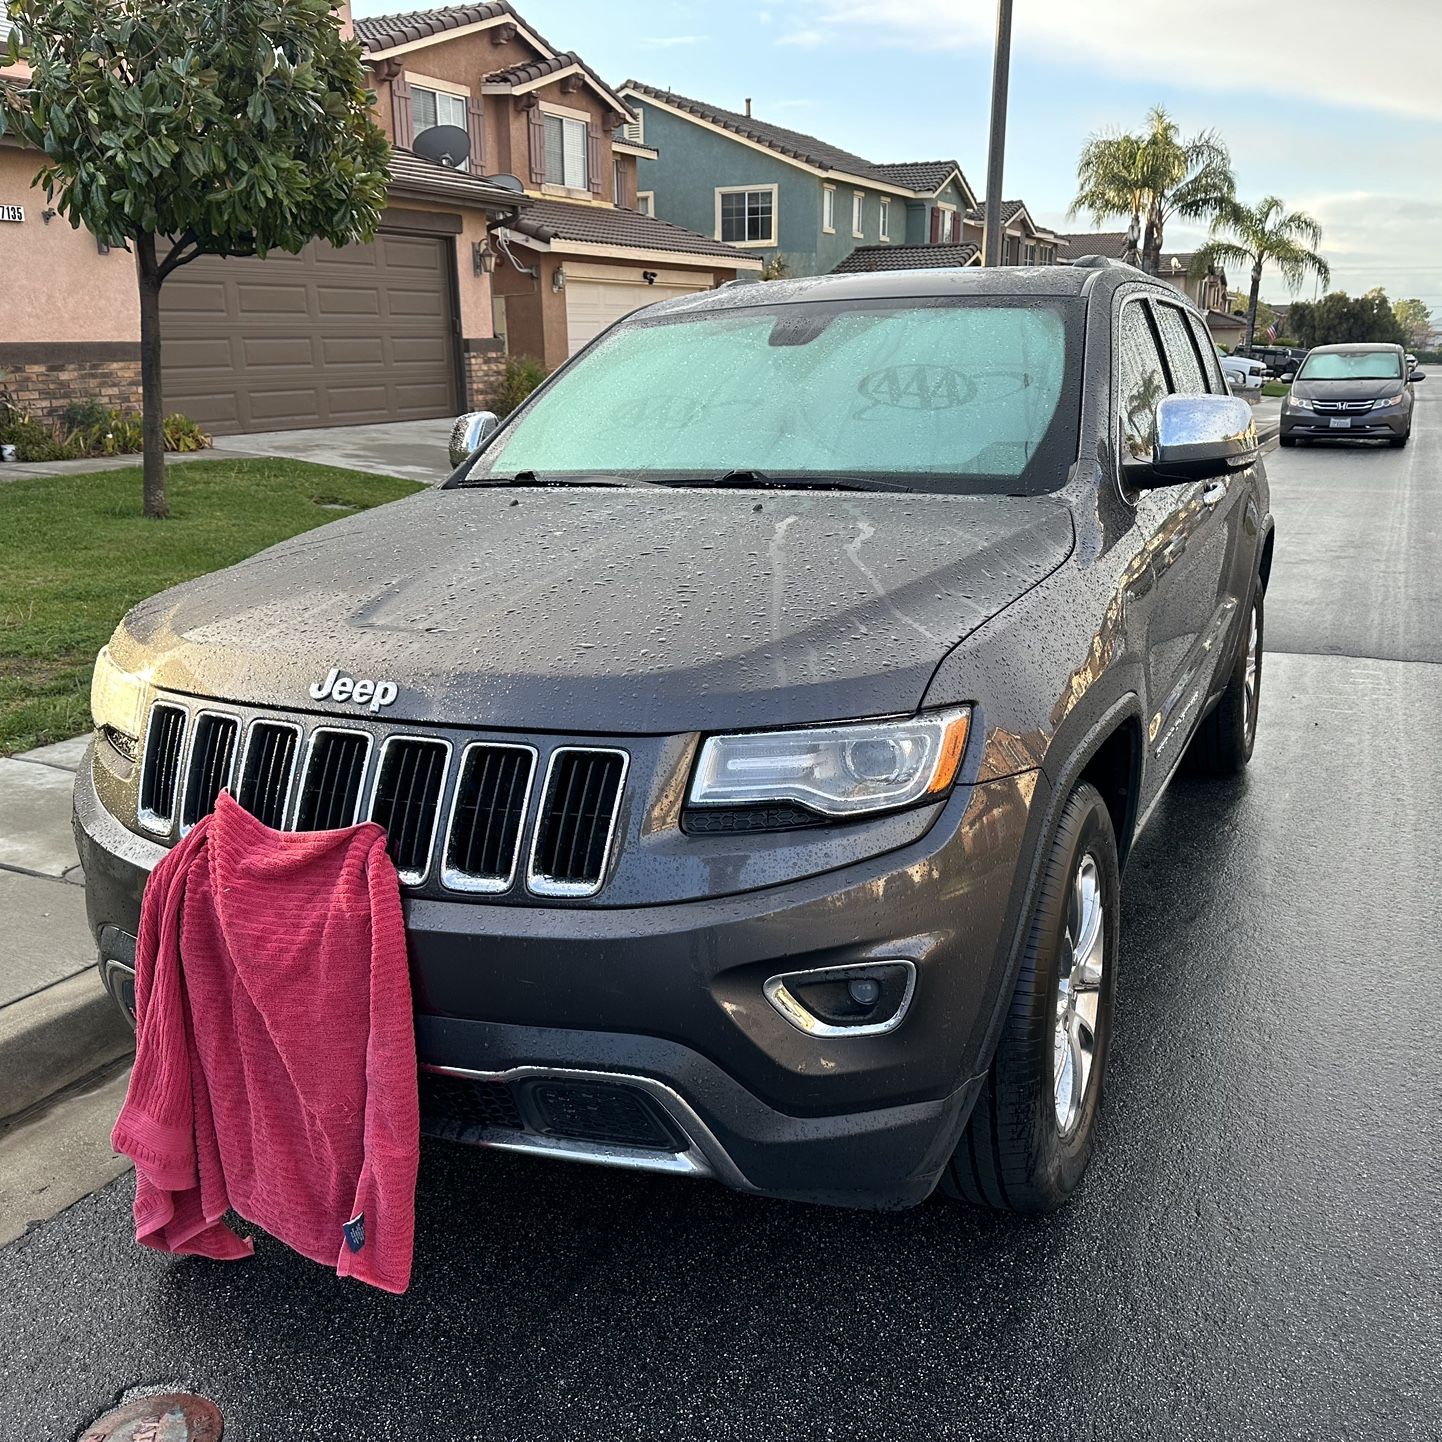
pixel 918 387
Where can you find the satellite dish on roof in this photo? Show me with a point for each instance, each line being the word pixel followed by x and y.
pixel 505 181
pixel 446 145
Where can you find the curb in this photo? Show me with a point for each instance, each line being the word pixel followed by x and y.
pixel 56 1037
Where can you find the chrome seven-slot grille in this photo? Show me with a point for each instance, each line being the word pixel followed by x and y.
pixel 296 781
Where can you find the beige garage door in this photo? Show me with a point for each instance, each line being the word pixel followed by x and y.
pixel 326 337
pixel 592 305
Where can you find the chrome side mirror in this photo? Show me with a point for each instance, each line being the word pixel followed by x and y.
pixel 1198 438
pixel 469 434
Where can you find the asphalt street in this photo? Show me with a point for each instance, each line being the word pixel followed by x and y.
pixel 1255 1253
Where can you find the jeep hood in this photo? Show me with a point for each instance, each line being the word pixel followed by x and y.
pixel 606 609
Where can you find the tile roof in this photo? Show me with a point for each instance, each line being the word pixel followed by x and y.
pixel 906 257
pixel 1010 209
pixel 925 176
pixel 382 32
pixel 410 172
pixel 520 74
pixel 1110 243
pixel 547 220
pixel 795 143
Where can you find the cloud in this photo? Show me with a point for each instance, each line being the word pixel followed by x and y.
pixel 1382 57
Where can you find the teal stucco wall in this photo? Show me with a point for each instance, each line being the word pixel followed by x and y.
pixel 693 161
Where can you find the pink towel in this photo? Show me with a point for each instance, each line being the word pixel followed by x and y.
pixel 275 1057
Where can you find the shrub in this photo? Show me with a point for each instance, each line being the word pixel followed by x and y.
pixel 87 428
pixel 523 374
pixel 182 434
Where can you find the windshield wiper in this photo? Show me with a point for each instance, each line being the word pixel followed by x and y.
pixel 534 478
pixel 749 480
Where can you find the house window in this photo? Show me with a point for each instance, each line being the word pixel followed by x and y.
pixel 828 209
pixel 618 181
pixel 885 218
pixel 858 213
pixel 1029 254
pixel 566 152
pixel 646 202
pixel 945 225
pixel 430 108
pixel 634 131
pixel 747 216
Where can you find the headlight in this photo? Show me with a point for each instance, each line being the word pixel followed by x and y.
pixel 835 770
pixel 1300 402
pixel 1387 402
pixel 116 697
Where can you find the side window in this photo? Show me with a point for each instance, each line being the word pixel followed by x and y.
pixel 1141 380
pixel 1208 348
pixel 1186 369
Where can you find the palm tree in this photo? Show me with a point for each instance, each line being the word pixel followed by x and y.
pixel 1263 234
pixel 1154 175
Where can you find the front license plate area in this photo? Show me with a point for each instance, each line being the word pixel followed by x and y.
pixel 1340 423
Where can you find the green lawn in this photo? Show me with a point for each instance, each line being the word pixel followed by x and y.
pixel 1275 388
pixel 76 554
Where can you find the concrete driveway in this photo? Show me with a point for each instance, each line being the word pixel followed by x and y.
pixel 413 450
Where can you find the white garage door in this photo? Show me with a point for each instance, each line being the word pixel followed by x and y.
pixel 591 305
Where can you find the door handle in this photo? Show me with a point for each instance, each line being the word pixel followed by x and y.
pixel 1213 492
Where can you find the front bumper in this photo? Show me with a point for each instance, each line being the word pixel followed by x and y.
pixel 667 1001
pixel 1311 425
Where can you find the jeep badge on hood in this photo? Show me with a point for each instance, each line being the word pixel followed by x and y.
pixel 340 687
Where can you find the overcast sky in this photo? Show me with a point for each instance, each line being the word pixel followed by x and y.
pixel 1334 105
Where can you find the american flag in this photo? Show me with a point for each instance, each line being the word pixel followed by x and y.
pixel 1272 331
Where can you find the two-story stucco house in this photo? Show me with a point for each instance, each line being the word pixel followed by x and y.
pixel 795 201
pixel 1208 292
pixel 577 254
pixel 415 324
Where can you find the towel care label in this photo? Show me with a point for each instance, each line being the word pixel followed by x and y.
pixel 355 1232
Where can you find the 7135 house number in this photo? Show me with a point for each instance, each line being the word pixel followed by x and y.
pixel 12 212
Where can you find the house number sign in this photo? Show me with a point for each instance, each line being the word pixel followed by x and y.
pixel 12 212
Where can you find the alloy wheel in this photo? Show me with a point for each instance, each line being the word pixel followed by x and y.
pixel 1253 676
pixel 1078 994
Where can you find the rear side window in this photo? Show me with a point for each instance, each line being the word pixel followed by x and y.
pixel 1142 381
pixel 1186 369
pixel 1208 349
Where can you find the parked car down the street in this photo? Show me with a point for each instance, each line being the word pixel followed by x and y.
pixel 761 719
pixel 1350 392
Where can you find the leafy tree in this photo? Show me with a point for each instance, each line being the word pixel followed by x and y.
pixel 191 127
pixel 1338 318
pixel 1150 177
pixel 1414 318
pixel 1263 234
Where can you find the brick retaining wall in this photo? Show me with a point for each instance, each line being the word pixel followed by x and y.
pixel 485 368
pixel 43 379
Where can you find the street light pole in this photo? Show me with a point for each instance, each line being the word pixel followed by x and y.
pixel 991 230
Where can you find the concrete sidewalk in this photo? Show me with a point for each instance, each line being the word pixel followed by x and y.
pixel 410 450
pixel 57 1025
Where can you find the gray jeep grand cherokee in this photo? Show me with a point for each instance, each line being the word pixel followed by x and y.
pixel 760 720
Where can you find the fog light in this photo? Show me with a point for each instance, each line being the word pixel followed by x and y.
pixel 867 999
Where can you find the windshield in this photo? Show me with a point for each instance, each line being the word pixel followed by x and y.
pixel 1364 365
pixel 929 395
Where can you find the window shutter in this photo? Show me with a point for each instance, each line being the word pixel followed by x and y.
pixel 475 125
pixel 935 224
pixel 593 157
pixel 401 112
pixel 536 131
pixel 955 226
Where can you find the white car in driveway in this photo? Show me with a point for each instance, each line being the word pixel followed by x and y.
pixel 1242 372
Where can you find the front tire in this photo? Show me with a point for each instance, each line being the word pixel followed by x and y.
pixel 1286 440
pixel 1224 741
pixel 1030 1134
pixel 1397 442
